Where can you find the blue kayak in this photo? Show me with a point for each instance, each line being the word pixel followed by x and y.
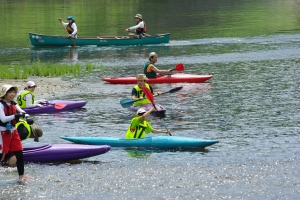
pixel 150 142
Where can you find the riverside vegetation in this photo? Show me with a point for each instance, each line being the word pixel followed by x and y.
pixel 46 70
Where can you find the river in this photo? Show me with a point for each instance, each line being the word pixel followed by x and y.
pixel 251 105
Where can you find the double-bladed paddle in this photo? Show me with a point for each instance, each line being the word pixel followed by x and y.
pixel 179 67
pixel 127 102
pixel 56 105
pixel 151 98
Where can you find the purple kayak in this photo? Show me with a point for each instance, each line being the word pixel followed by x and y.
pixel 62 152
pixel 161 111
pixel 56 106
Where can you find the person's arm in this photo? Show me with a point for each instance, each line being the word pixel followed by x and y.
pixel 143 117
pixel 139 25
pixel 161 131
pixel 63 23
pixel 74 29
pixel 4 118
pixel 28 98
pixel 133 95
pixel 153 68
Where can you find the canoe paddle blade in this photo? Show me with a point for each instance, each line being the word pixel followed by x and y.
pixel 179 67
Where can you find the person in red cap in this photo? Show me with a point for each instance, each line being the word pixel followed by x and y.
pixel 25 98
pixel 139 127
pixel 10 143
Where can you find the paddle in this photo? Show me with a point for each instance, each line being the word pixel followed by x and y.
pixel 151 98
pixel 127 102
pixel 179 67
pixel 56 105
pixel 67 32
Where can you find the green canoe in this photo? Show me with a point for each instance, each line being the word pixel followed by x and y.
pixel 47 40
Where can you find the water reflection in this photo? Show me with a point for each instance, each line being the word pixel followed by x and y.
pixel 50 54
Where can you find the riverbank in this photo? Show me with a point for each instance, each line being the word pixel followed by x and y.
pixel 46 87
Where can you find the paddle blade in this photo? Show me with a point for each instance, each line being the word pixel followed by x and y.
pixel 175 90
pixel 179 67
pixel 125 103
pixel 148 94
pixel 59 106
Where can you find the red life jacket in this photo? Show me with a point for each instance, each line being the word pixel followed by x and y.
pixel 9 110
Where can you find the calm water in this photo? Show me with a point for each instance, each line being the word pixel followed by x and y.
pixel 251 105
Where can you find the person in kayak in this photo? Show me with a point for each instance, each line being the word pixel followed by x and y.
pixel 137 92
pixel 139 127
pixel 70 26
pixel 139 29
pixel 149 68
pixel 10 144
pixel 25 98
pixel 26 129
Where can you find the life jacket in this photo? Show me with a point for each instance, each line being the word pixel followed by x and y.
pixel 21 99
pixel 27 126
pixel 140 93
pixel 141 30
pixel 138 131
pixel 151 74
pixel 69 28
pixel 9 110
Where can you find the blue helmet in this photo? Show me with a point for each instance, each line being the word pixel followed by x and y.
pixel 71 18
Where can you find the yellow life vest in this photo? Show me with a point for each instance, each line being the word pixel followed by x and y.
pixel 26 125
pixel 21 99
pixel 140 93
pixel 138 129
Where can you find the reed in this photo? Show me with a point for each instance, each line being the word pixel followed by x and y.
pixel 47 70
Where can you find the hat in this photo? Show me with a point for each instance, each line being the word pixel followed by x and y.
pixel 37 132
pixel 141 111
pixel 30 84
pixel 5 89
pixel 152 54
pixel 71 18
pixel 142 77
pixel 138 16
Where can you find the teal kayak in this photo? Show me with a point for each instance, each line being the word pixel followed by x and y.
pixel 150 142
pixel 48 40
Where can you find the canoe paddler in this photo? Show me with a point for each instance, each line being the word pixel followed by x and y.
pixel 70 26
pixel 25 98
pixel 150 69
pixel 139 127
pixel 137 92
pixel 11 149
pixel 139 29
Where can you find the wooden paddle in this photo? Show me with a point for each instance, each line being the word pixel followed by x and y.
pixel 127 102
pixel 151 98
pixel 67 32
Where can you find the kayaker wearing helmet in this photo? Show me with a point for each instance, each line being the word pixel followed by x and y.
pixel 10 142
pixel 70 26
pixel 137 92
pixel 149 68
pixel 139 28
pixel 139 127
pixel 25 97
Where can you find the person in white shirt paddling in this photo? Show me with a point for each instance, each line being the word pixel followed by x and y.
pixel 71 27
pixel 139 29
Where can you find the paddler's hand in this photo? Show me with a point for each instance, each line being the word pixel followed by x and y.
pixel 168 132
pixel 60 19
pixel 126 30
pixel 141 98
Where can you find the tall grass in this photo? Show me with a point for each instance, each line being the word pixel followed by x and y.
pixel 46 70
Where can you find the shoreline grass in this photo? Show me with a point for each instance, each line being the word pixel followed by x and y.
pixel 46 70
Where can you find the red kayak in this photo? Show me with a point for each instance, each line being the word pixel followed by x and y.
pixel 174 78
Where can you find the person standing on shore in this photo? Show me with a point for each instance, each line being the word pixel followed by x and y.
pixel 10 142
pixel 70 26
pixel 149 68
pixel 25 98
